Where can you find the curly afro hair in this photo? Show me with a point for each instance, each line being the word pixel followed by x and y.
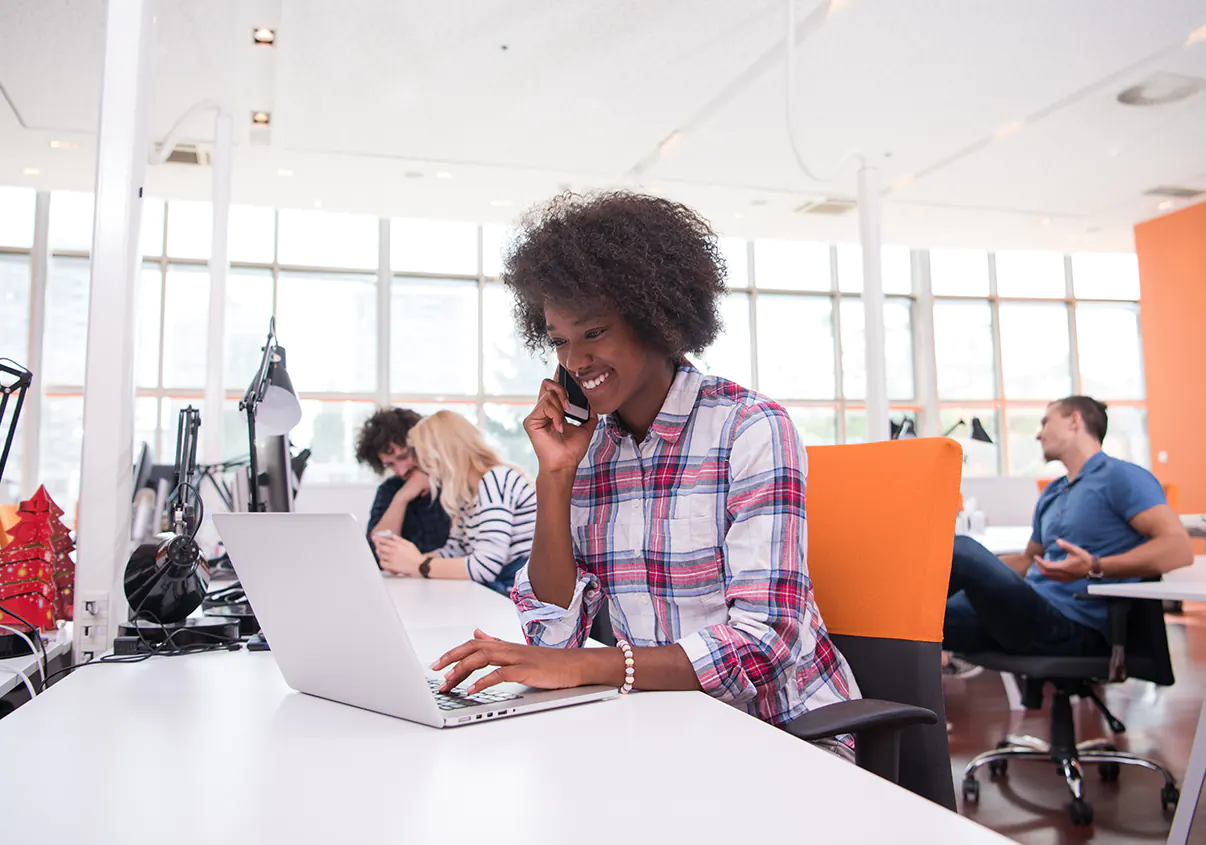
pixel 654 261
pixel 382 431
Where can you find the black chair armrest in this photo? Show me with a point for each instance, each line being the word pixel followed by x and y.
pixel 1119 608
pixel 857 717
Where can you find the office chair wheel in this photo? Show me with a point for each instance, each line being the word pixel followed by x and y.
pixel 998 768
pixel 1169 796
pixel 1081 812
pixel 1110 772
pixel 971 789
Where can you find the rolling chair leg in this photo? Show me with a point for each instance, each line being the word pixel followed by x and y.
pixel 1027 741
pixel 1091 694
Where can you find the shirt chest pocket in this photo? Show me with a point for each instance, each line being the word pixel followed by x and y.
pixel 684 560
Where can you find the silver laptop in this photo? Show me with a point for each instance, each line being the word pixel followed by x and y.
pixel 336 633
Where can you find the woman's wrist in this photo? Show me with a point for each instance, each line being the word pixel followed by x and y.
pixel 561 478
pixel 604 666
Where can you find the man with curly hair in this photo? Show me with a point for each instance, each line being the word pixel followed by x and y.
pixel 404 504
pixel 679 503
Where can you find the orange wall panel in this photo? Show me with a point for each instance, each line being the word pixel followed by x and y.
pixel 1172 279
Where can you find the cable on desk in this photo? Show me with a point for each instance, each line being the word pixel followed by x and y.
pixel 37 632
pixel 24 679
pixel 33 650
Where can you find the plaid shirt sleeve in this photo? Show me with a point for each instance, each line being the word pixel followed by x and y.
pixel 751 659
pixel 552 625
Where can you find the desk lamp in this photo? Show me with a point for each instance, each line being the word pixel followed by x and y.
pixel 14 380
pixel 270 403
pixel 977 431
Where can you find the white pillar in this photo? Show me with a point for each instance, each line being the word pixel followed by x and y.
pixel 873 303
pixel 385 280
pixel 219 265
pixel 106 476
pixel 31 411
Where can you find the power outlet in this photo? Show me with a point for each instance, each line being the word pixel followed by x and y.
pixel 93 622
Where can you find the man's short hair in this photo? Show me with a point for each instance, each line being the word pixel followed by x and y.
pixel 1097 421
pixel 382 431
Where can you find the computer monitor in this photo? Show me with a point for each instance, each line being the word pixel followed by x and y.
pixel 276 474
pixel 142 467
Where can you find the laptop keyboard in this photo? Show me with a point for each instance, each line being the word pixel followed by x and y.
pixel 454 700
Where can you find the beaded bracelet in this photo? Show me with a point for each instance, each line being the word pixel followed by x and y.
pixel 628 664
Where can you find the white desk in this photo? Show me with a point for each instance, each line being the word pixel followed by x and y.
pixel 132 749
pixel 1188 584
pixel 1004 539
pixel 60 643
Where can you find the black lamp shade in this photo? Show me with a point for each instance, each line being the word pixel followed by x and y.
pixel 978 432
pixel 166 579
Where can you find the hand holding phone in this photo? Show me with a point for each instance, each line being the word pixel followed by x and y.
pixel 579 406
pixel 559 437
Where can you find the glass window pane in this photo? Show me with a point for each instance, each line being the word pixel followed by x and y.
pixel 151 237
pixel 896 269
pixel 729 355
pixel 14 312
pixel 1035 353
pixel 185 326
pixel 959 272
pixel 1025 454
pixel 795 347
pixel 248 312
pixel 327 239
pixel 509 368
pixel 504 428
pixel 251 235
pixel 327 323
pixel 898 348
pixel 329 430
pixel 792 265
pixel 1110 353
pixel 169 424
pixel 70 221
pixel 495 241
pixel 65 340
pixel 190 229
pixel 1126 435
pixel 979 458
pixel 468 410
pixel 1105 275
pixel 61 439
pixel 817 426
pixel 1031 274
pixel 17 217
pixel 434 344
pixel 736 262
pixel 856 425
pixel 433 246
pixel 146 326
pixel 963 350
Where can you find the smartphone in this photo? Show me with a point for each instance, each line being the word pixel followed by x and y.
pixel 579 406
pixel 385 533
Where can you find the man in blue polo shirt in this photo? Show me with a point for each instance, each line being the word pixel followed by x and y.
pixel 1107 520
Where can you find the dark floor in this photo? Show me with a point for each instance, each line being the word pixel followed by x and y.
pixel 1028 805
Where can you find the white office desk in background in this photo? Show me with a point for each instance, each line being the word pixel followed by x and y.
pixel 132 748
pixel 60 644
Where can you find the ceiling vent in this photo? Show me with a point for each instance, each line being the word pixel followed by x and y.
pixel 831 206
pixel 1174 192
pixel 1160 89
pixel 189 154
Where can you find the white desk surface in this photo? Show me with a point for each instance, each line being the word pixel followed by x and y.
pixel 135 750
pixel 1004 539
pixel 1188 584
pixel 60 643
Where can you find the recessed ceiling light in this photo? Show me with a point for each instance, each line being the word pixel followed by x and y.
pixel 501 203
pixel 284 171
pixel 318 203
pixel 414 174
pixel 904 181
pixel 1165 206
pixel 31 171
pixel 1197 36
pixel 64 145
pixel 737 215
pixel 443 174
pixel 1160 89
pixel 757 202
pixel 1009 129
pixel 671 142
pixel 1046 221
pixel 263 35
pixel 261 118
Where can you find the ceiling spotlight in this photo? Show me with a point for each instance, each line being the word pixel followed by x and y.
pixel 501 203
pixel 1009 129
pixel 30 171
pixel 1046 221
pixel 1160 89
pixel 261 118
pixel 670 143
pixel 284 171
pixel 318 203
pixel 263 35
pixel 1165 206
pixel 443 174
pixel 904 181
pixel 1197 36
pixel 64 145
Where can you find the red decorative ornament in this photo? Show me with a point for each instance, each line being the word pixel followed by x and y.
pixel 37 574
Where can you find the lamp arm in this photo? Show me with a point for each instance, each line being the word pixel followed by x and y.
pixel 24 378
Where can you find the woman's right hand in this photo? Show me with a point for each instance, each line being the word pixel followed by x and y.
pixel 559 444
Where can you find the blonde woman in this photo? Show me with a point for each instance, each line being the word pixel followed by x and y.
pixel 492 506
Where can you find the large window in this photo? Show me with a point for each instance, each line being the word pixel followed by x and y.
pixel 1007 332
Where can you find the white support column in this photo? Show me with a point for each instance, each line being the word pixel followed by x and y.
pixel 31 414
pixel 219 265
pixel 924 350
pixel 105 485
pixel 385 280
pixel 873 303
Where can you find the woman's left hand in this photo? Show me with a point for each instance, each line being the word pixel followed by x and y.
pixel 402 557
pixel 535 666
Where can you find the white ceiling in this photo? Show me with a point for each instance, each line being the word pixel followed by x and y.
pixel 371 98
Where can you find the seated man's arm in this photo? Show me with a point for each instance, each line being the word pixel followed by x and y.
pixel 1167 548
pixel 1021 563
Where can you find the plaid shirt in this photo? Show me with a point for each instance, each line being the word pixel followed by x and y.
pixel 697 536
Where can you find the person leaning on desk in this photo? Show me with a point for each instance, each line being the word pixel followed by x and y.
pixel 404 505
pixel 682 507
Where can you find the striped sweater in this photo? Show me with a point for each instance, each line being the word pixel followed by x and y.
pixel 494 535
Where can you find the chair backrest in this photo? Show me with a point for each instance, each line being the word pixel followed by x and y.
pixel 1171 491
pixel 881 524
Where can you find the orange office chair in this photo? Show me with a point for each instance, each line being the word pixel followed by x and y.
pixel 8 518
pixel 881 525
pixel 1171 491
